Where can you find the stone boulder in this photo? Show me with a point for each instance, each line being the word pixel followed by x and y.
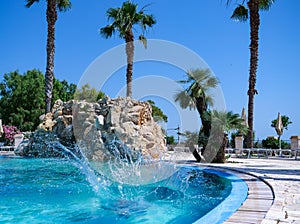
pixel 120 127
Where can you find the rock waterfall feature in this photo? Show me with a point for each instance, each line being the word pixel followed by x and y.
pixel 120 127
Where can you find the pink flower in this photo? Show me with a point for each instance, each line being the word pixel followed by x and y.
pixel 10 132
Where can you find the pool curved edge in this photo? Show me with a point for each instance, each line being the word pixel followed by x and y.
pixel 232 203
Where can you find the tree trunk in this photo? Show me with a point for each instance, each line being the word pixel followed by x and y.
pixel 129 38
pixel 220 156
pixel 51 16
pixel 206 123
pixel 254 28
pixel 193 149
pixel 197 156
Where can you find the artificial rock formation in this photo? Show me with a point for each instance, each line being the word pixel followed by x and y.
pixel 120 127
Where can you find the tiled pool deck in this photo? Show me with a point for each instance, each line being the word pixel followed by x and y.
pixel 274 189
pixel 283 176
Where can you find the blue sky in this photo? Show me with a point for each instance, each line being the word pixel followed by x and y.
pixel 203 26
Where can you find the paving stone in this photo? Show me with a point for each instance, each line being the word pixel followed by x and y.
pixel 283 175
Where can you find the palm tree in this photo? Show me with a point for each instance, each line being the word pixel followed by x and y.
pixel 123 21
pixel 221 124
pixel 195 96
pixel 241 13
pixel 51 16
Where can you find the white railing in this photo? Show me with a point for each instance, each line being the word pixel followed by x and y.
pixel 7 150
pixel 261 152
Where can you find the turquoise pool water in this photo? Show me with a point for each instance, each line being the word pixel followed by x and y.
pixel 55 191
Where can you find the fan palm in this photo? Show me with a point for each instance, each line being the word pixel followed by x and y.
pixel 51 16
pixel 221 124
pixel 195 96
pixel 242 13
pixel 123 21
pixel 228 121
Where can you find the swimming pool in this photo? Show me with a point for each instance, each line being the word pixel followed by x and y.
pixel 55 191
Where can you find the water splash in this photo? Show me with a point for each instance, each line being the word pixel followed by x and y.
pixel 75 156
pixel 130 167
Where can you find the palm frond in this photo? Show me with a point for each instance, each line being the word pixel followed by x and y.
pixel 184 100
pixel 266 4
pixel 147 20
pixel 64 5
pixel 202 75
pixel 144 7
pixel 143 39
pixel 107 31
pixel 183 81
pixel 228 121
pixel 129 13
pixel 203 78
pixel 29 3
pixel 190 77
pixel 212 82
pixel 209 100
pixel 240 13
pixel 228 2
pixel 113 13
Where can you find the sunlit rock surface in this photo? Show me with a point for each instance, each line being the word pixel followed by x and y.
pixel 120 127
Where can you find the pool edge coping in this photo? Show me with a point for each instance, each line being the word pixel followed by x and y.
pixel 260 196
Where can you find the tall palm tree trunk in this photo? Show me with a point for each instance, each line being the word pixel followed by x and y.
pixel 129 38
pixel 51 15
pixel 254 28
